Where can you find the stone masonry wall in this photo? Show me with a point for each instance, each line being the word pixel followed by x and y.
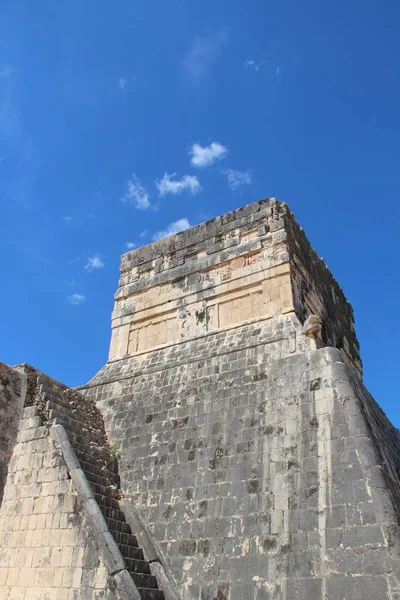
pixel 249 447
pixel 12 396
pixel 46 551
pixel 249 265
pixel 249 454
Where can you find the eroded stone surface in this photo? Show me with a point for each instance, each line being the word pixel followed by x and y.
pixel 262 465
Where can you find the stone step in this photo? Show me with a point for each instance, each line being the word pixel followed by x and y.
pixel 151 594
pixel 106 501
pixel 119 526
pixel 128 550
pixel 137 566
pixel 96 479
pixel 125 539
pixel 143 580
pixel 92 466
pixel 113 514
pixel 72 419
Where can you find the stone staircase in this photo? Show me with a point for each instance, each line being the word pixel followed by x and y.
pixel 85 429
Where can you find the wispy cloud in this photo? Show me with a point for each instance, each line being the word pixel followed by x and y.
pixel 67 219
pixel 254 64
pixel 237 178
pixel 167 185
pixel 76 299
pixel 136 194
pixel 144 233
pixel 130 245
pixel 203 156
pixel 202 54
pixel 122 81
pixel 6 70
pixel 94 262
pixel 173 228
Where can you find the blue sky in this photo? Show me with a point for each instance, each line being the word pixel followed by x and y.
pixel 122 120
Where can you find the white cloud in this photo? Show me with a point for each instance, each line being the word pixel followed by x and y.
pixel 130 245
pixel 94 262
pixel 122 82
pixel 169 186
pixel 203 156
pixel 76 299
pixel 6 71
pixel 254 64
pixel 173 228
pixel 201 55
pixel 237 178
pixel 144 233
pixel 136 194
pixel 67 219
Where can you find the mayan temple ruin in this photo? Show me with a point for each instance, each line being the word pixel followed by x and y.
pixel 228 449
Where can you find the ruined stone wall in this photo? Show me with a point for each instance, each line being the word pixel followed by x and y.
pixel 253 463
pixel 244 442
pixel 249 265
pixel 46 551
pixel 222 273
pixel 315 291
pixel 12 396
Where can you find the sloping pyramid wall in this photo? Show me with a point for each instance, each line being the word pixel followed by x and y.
pixel 265 469
pixel 63 534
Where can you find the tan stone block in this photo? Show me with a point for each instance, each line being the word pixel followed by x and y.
pixel 44 576
pixel 64 520
pixel 37 505
pixel 62 594
pixel 16 523
pixel 76 581
pixel 71 537
pixel 56 556
pixel 28 538
pixel 7 508
pixel 41 520
pixel 33 521
pixel 37 460
pixel 55 524
pixel 33 593
pixel 48 521
pixel 8 523
pixel 27 575
pixel 55 539
pixel 49 593
pixel 69 505
pixel 21 557
pixel 67 556
pixel 37 559
pixel 13 576
pixel 68 575
pixel 17 539
pixel 16 593
pixel 57 577
pixel 36 539
pixel 46 537
pixel 24 522
pixel 3 575
pixel 4 591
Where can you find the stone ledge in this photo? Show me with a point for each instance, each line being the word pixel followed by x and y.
pixel 119 578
